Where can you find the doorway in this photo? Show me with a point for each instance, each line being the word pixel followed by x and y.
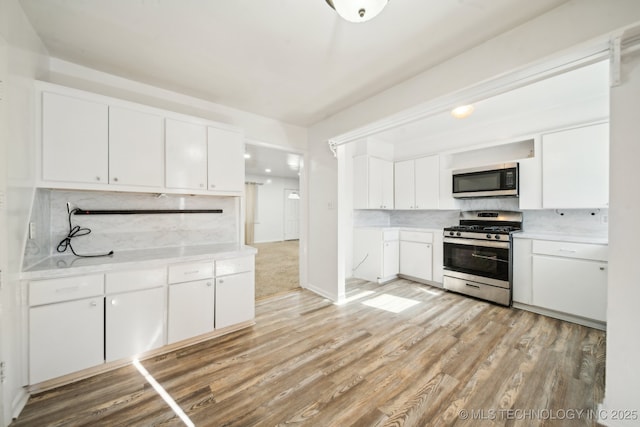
pixel 272 217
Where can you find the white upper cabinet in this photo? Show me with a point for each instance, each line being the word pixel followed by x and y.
pixel 575 168
pixel 225 160
pixel 75 144
pixel 372 183
pixel 186 154
pixel 136 148
pixel 404 183
pixel 417 183
pixel 92 142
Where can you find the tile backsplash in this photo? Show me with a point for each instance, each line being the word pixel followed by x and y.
pixel 126 232
pixel 589 222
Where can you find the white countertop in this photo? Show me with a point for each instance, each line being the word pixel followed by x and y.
pixel 65 265
pixel 559 237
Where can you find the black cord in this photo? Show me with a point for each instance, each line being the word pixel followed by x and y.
pixel 76 231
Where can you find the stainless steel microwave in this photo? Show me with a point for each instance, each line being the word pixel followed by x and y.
pixel 488 181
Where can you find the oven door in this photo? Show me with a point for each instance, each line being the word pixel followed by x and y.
pixel 483 258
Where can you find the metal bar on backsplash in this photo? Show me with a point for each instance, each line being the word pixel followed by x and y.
pixel 143 211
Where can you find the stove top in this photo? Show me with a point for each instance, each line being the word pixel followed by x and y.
pixel 486 225
pixel 503 229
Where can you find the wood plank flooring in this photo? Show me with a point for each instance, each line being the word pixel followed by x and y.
pixel 446 360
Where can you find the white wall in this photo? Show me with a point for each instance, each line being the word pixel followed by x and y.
pixel 25 60
pixel 270 207
pixel 256 127
pixel 540 38
pixel 623 317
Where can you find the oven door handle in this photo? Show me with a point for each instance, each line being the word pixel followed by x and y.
pixel 480 243
pixel 491 258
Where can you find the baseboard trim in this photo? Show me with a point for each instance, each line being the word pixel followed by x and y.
pixel 19 402
pixel 321 292
pixel 562 316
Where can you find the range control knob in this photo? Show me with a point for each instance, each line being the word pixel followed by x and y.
pixel 451 233
pixel 497 236
pixel 458 234
pixel 488 236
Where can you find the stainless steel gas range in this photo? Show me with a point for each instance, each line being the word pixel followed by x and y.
pixel 478 254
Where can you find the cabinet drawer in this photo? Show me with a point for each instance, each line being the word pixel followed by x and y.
pixel 390 235
pixel 125 281
pixel 65 289
pixel 416 236
pixel 571 250
pixel 235 265
pixel 188 272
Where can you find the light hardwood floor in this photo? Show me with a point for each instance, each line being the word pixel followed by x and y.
pixel 310 362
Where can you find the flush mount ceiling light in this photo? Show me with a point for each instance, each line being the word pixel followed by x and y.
pixel 462 111
pixel 357 10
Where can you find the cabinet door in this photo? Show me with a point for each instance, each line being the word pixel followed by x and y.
pixel 191 309
pixel 136 148
pixel 65 337
pixel 74 140
pixel 575 168
pixel 416 260
pixel 235 299
pixel 404 185
pixel 226 160
pixel 427 182
pixel 573 286
pixel 380 183
pixel 390 258
pixel 375 184
pixel 186 155
pixel 134 323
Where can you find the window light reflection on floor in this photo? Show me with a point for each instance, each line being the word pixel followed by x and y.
pixel 391 303
pixel 163 393
pixel 355 297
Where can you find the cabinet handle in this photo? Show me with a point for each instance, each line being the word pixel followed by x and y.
pixel 94 304
pixel 601 268
pixel 97 178
pixel 67 289
pixel 113 302
pixel 220 281
pixel 569 251
pixel 201 185
pixel 213 186
pixel 192 272
pixel 472 286
pixel 209 284
pixel 115 179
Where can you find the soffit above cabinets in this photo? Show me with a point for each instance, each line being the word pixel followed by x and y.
pixel 296 61
pixel 567 99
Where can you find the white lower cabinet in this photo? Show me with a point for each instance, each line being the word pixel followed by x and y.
pixel 134 323
pixel 65 337
pixel 572 286
pixel 235 299
pixel 416 254
pixel 564 279
pixel 82 322
pixel 191 309
pixel 375 254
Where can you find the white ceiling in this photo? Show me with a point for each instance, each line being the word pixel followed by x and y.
pixel 567 99
pixel 292 60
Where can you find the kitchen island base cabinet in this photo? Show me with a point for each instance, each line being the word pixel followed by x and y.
pixel 65 337
pixel 191 309
pixel 134 323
